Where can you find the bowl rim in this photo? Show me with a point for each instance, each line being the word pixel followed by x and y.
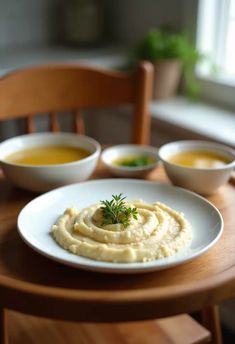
pixel 196 143
pixel 148 149
pixel 87 138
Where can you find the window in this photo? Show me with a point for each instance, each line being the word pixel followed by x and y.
pixel 229 57
pixel 216 39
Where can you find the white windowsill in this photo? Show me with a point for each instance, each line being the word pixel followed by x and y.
pixel 202 118
pixel 221 79
pixel 20 57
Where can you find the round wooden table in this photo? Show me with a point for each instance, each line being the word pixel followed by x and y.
pixel 31 283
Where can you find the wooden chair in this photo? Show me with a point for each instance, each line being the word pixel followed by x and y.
pixel 54 88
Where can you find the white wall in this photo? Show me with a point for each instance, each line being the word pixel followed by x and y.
pixel 36 22
pixel 134 17
pixel 33 22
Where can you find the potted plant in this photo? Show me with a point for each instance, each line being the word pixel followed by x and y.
pixel 173 56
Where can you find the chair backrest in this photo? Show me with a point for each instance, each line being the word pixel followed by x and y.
pixel 53 88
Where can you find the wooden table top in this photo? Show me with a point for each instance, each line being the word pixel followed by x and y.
pixel 34 284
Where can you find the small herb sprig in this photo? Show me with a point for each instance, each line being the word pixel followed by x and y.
pixel 116 211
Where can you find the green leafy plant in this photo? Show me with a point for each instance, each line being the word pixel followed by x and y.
pixel 116 211
pixel 158 45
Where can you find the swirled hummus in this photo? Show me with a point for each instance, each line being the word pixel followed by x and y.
pixel 157 232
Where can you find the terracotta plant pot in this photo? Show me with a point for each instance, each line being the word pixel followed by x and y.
pixel 167 74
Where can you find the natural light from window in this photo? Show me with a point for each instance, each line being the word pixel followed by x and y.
pixel 216 39
pixel 229 59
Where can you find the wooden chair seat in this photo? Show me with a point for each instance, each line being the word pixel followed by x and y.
pixel 181 329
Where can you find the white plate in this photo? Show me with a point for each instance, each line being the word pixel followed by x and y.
pixel 37 217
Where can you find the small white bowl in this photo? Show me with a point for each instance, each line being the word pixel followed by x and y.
pixel 109 155
pixel 201 180
pixel 42 178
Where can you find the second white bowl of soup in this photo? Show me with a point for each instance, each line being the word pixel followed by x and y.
pixel 200 166
pixel 43 161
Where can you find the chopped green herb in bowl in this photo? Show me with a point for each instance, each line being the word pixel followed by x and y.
pixel 134 161
pixel 130 160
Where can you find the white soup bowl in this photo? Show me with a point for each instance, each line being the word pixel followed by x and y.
pixel 42 178
pixel 204 181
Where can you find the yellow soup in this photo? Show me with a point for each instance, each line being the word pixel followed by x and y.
pixel 47 155
pixel 199 159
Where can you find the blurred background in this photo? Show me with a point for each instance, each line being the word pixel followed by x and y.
pixel 106 33
pixel 99 22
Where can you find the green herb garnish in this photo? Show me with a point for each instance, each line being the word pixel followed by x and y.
pixel 116 211
pixel 135 162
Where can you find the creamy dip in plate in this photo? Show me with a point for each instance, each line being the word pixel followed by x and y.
pixel 158 232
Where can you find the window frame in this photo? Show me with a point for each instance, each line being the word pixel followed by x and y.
pixel 219 90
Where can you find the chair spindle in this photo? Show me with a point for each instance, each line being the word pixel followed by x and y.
pixel 54 122
pixel 79 126
pixel 30 126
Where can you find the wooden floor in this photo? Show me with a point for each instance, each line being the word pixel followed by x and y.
pixel 24 329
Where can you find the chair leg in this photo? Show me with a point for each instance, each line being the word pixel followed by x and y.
pixel 3 327
pixel 211 320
